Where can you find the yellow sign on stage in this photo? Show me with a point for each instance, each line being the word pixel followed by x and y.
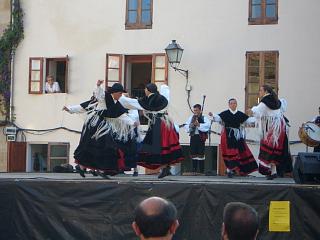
pixel 279 216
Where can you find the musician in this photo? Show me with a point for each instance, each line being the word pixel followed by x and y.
pixel 235 152
pixel 197 126
pixel 316 120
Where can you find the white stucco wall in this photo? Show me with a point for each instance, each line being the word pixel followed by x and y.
pixel 215 35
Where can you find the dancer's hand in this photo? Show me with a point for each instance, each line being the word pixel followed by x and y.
pixel 210 114
pixel 99 82
pixel 65 109
pixel 249 112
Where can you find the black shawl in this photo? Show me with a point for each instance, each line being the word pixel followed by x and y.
pixel 156 102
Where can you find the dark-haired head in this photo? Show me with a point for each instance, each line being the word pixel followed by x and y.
pixel 151 87
pixel 155 217
pixel 267 89
pixel 197 106
pixel 233 104
pixel 240 222
pixel 232 99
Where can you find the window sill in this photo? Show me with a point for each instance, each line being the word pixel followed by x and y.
pixel 137 27
pixel 260 21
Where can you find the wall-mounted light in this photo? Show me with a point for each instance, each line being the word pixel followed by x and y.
pixel 174 53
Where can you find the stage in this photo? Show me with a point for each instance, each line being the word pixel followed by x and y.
pixel 66 206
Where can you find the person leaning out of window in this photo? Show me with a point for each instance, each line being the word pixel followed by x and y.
pixel 51 85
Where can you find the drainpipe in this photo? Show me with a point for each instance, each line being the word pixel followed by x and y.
pixel 11 69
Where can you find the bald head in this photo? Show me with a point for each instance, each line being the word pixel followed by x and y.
pixel 153 206
pixel 155 216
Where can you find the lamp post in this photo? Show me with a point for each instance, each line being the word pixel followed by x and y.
pixel 174 52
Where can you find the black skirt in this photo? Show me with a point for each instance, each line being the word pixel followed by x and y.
pixel 105 153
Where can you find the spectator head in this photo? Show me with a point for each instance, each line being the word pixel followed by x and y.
pixel 155 218
pixel 50 79
pixel 240 222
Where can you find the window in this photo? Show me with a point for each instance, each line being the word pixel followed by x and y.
pixel 261 68
pixel 40 68
pixel 113 69
pixel 45 157
pixel 263 12
pixel 138 71
pixel 139 14
pixel 58 153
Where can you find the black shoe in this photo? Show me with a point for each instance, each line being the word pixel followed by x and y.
pixel 272 176
pixel 94 173
pixel 104 175
pixel 80 171
pixel 230 174
pixel 165 172
pixel 135 174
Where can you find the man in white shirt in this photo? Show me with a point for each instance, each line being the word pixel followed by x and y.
pixel 51 85
pixel 198 127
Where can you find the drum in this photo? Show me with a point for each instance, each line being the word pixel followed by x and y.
pixel 309 134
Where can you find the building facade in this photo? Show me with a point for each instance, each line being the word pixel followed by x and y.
pixel 231 47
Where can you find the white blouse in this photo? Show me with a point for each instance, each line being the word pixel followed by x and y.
pixel 55 88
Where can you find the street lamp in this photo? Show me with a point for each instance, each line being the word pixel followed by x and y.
pixel 174 53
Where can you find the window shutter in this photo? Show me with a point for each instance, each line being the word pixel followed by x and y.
pixel 159 69
pixel 35 75
pixel 113 69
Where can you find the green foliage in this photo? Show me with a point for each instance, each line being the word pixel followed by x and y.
pixel 9 41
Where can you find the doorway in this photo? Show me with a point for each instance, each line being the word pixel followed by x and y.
pixel 44 157
pixel 138 73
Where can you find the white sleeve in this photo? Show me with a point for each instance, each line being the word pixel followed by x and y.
pixel 57 87
pixel 165 91
pixel 250 121
pixel 215 118
pixel 75 109
pixel 134 115
pixel 258 111
pixel 125 118
pixel 98 93
pixel 130 103
pixel 204 127
pixel 46 88
pixel 284 105
pixel 186 126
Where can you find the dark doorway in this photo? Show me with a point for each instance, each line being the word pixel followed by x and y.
pixel 138 74
pixel 140 77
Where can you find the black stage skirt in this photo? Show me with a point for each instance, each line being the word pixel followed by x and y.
pixel 160 146
pixel 277 154
pixel 238 157
pixel 105 153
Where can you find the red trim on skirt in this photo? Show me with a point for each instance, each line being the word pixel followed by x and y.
pixel 170 149
pixel 270 153
pixel 242 162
